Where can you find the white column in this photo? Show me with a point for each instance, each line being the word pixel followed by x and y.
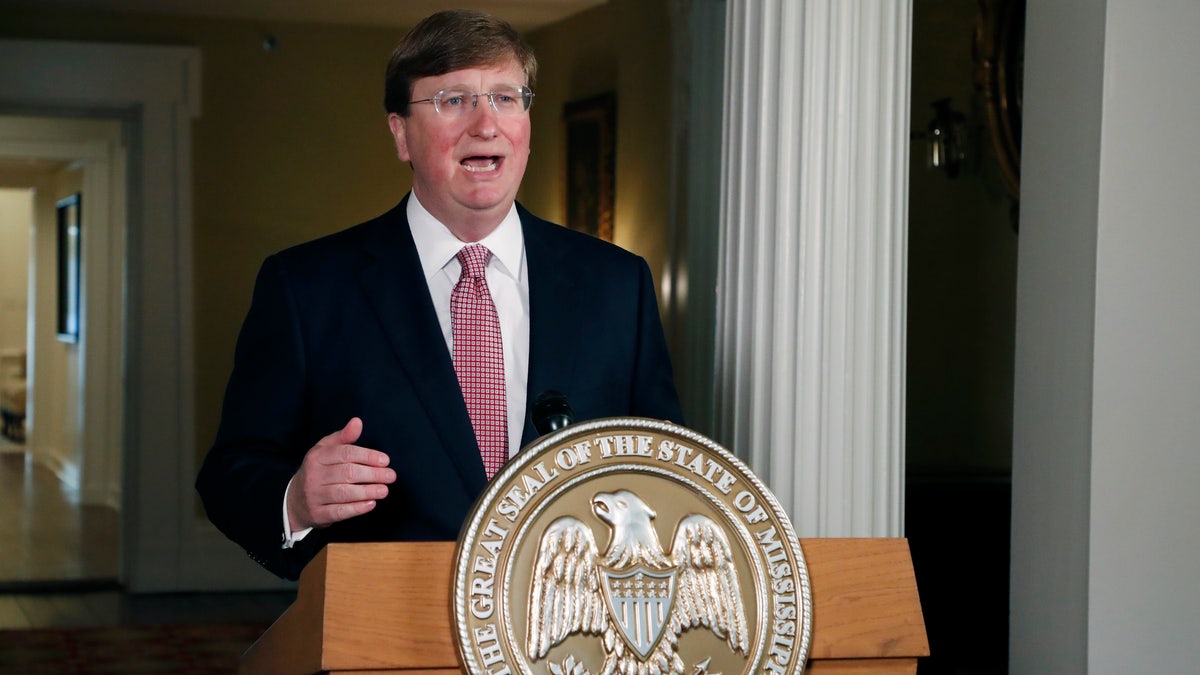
pixel 811 282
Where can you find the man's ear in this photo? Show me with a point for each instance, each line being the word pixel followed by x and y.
pixel 397 124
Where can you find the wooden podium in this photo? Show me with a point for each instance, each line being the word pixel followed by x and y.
pixel 385 608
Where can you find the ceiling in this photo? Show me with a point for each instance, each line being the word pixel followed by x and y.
pixel 524 14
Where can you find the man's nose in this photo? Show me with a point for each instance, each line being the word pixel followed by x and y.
pixel 483 117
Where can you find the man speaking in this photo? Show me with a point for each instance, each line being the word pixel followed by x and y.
pixel 386 372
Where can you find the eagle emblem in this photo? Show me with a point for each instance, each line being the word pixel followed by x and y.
pixel 636 597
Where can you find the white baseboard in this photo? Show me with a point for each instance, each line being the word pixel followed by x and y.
pixel 67 471
pixel 100 495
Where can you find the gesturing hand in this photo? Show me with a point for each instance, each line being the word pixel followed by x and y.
pixel 337 480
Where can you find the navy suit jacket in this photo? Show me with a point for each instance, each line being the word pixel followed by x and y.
pixel 344 326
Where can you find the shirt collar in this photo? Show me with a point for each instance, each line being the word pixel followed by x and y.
pixel 437 246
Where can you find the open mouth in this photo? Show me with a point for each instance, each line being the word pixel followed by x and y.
pixel 481 164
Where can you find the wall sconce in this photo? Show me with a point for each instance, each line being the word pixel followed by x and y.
pixel 945 138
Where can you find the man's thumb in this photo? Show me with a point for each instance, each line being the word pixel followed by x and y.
pixel 350 433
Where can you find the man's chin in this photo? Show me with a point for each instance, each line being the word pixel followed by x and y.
pixel 484 201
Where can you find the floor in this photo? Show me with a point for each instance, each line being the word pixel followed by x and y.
pixel 59 563
pixel 48 535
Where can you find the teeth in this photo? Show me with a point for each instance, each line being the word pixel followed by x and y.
pixel 487 167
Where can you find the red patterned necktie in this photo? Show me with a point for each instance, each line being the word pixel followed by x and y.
pixel 479 357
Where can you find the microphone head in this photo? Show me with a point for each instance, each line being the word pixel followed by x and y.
pixel 551 412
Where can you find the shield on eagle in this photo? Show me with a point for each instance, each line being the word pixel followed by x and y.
pixel 640 601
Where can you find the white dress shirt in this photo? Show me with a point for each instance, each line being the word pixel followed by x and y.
pixel 508 283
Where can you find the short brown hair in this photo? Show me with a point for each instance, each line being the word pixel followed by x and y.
pixel 449 41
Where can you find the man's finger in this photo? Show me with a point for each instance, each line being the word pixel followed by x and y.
pixel 333 455
pixel 343 493
pixel 339 512
pixel 360 474
pixel 338 448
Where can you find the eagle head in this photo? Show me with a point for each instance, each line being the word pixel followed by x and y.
pixel 633 537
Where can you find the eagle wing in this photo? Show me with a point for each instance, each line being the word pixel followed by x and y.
pixel 565 595
pixel 709 593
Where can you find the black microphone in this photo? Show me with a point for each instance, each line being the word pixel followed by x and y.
pixel 551 412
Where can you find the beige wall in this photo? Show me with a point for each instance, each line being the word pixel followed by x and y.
pixel 623 46
pixel 292 144
pixel 16 223
pixel 55 426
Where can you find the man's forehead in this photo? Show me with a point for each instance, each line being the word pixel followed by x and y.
pixel 507 71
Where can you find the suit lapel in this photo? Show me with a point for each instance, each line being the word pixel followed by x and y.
pixel 552 305
pixel 395 287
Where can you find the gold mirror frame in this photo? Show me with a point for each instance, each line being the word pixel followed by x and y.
pixel 999 66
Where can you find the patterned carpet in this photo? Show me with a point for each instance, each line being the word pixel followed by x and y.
pixel 166 650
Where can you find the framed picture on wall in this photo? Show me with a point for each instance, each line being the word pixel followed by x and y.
pixel 69 232
pixel 591 164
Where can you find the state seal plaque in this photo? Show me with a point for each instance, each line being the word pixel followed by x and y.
pixel 630 546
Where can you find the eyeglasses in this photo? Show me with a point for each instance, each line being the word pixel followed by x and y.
pixel 459 101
